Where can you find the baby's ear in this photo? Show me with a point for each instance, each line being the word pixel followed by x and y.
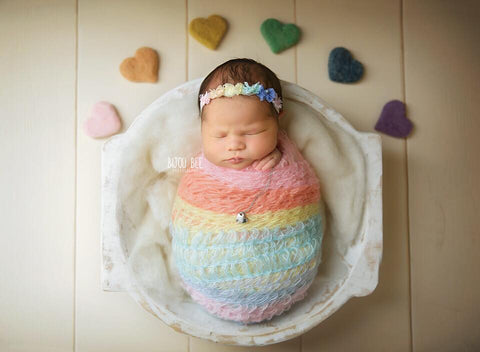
pixel 281 114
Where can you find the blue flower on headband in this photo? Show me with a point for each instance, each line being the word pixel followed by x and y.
pixel 268 94
pixel 250 90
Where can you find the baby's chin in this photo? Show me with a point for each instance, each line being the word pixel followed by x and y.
pixel 239 166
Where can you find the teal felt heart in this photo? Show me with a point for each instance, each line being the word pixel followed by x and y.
pixel 342 67
pixel 279 36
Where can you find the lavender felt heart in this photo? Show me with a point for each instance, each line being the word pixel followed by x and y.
pixel 393 120
pixel 102 121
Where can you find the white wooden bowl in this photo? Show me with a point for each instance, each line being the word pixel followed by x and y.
pixel 352 247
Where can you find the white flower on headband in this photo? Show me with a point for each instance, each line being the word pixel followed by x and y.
pixel 204 99
pixel 216 93
pixel 277 103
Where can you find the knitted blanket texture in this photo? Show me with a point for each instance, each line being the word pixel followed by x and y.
pixel 248 272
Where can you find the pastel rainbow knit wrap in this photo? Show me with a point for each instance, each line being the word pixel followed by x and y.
pixel 248 272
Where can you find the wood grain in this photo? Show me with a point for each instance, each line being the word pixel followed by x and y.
pixel 107 34
pixel 37 178
pixel 442 83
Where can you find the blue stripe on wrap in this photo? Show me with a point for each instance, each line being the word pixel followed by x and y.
pixel 237 296
pixel 310 238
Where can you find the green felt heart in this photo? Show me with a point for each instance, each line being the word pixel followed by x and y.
pixel 279 36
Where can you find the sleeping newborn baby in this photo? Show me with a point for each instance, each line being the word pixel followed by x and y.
pixel 246 225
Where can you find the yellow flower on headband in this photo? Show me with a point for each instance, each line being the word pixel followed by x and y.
pixel 231 90
pixel 238 88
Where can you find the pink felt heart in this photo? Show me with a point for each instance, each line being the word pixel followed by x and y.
pixel 103 121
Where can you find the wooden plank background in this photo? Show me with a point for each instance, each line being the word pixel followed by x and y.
pixel 58 57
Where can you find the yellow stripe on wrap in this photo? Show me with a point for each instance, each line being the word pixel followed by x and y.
pixel 196 219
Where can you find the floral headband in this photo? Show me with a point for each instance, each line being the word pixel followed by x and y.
pixel 229 90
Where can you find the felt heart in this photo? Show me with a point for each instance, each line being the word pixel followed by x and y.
pixel 342 67
pixel 393 120
pixel 143 67
pixel 208 31
pixel 279 36
pixel 102 121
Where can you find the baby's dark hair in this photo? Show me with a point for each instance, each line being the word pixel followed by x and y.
pixel 240 71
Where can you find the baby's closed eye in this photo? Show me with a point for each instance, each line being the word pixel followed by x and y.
pixel 248 133
pixel 251 133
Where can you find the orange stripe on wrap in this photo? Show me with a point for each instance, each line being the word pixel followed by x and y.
pixel 197 188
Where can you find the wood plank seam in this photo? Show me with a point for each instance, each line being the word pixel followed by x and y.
pixel 186 79
pixel 404 93
pixel 74 340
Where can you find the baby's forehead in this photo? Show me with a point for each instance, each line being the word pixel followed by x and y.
pixel 236 119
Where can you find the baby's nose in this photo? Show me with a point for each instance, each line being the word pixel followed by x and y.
pixel 236 144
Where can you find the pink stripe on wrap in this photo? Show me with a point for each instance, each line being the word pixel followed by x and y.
pixel 292 171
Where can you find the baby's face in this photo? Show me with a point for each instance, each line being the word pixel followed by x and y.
pixel 237 131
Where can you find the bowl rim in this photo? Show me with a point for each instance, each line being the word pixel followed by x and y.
pixel 361 280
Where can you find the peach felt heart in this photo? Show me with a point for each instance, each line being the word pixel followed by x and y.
pixel 103 121
pixel 143 67
pixel 208 31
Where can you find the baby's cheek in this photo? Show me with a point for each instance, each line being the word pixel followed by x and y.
pixel 263 146
pixel 213 153
pixel 209 151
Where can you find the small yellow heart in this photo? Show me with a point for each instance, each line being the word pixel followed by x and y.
pixel 141 68
pixel 208 31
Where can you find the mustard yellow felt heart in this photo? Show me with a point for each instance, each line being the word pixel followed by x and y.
pixel 143 67
pixel 208 31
